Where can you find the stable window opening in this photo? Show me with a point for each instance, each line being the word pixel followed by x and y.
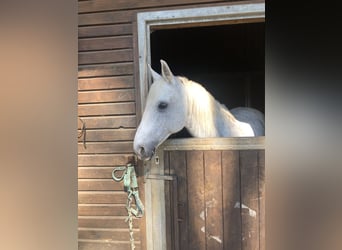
pixel 228 60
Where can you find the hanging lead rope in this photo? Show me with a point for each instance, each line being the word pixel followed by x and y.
pixel 131 187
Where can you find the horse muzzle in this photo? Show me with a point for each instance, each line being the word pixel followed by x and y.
pixel 143 152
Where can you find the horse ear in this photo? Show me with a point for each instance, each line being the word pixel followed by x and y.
pixel 166 72
pixel 155 75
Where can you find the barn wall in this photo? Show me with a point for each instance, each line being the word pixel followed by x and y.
pixel 107 106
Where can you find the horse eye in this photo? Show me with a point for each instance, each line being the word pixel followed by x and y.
pixel 162 105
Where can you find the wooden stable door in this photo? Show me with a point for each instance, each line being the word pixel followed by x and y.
pixel 216 199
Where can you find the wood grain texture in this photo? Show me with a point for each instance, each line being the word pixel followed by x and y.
pixel 249 198
pixel 219 203
pixel 105 83
pixel 104 222
pixel 102 197
pixel 197 212
pixel 95 172
pixel 219 143
pixel 127 108
pixel 103 160
pixel 99 185
pixel 231 195
pixel 105 43
pixel 108 17
pixel 101 5
pixel 106 56
pixel 261 180
pixel 213 200
pixel 169 215
pixel 116 137
pixel 121 95
pixel 107 234
pixel 105 30
pixel 102 210
pixel 108 147
pixel 108 122
pixel 178 161
pixel 105 245
pixel 114 69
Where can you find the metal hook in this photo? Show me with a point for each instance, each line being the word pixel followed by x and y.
pixel 116 169
pixel 83 133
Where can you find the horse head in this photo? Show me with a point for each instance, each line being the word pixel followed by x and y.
pixel 164 114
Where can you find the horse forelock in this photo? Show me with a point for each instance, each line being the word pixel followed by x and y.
pixel 182 79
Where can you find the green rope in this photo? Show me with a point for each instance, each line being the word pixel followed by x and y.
pixel 129 178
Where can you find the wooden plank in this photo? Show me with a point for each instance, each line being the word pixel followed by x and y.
pixel 122 95
pixel 108 17
pixel 105 245
pixel 107 135
pixel 196 206
pixel 108 122
pixel 99 185
pixel 107 234
pixel 168 204
pixel 261 178
pixel 105 5
pixel 107 56
pixel 213 200
pixel 105 222
pixel 127 108
pixel 231 195
pixel 141 222
pixel 102 197
pixel 102 83
pixel 149 232
pixel 232 143
pixel 109 147
pixel 114 69
pixel 157 217
pixel 102 210
pixel 95 172
pixel 249 199
pixel 105 30
pixel 103 160
pixel 171 200
pixel 105 43
pixel 127 16
pixel 178 163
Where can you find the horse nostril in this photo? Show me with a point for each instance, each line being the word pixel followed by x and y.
pixel 141 150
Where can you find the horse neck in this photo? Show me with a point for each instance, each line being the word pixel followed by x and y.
pixel 205 114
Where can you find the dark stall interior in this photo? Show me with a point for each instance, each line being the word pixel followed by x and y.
pixel 228 60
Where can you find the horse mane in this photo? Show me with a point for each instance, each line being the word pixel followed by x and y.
pixel 184 80
pixel 205 108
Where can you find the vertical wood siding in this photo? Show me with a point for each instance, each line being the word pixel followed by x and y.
pixel 220 199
